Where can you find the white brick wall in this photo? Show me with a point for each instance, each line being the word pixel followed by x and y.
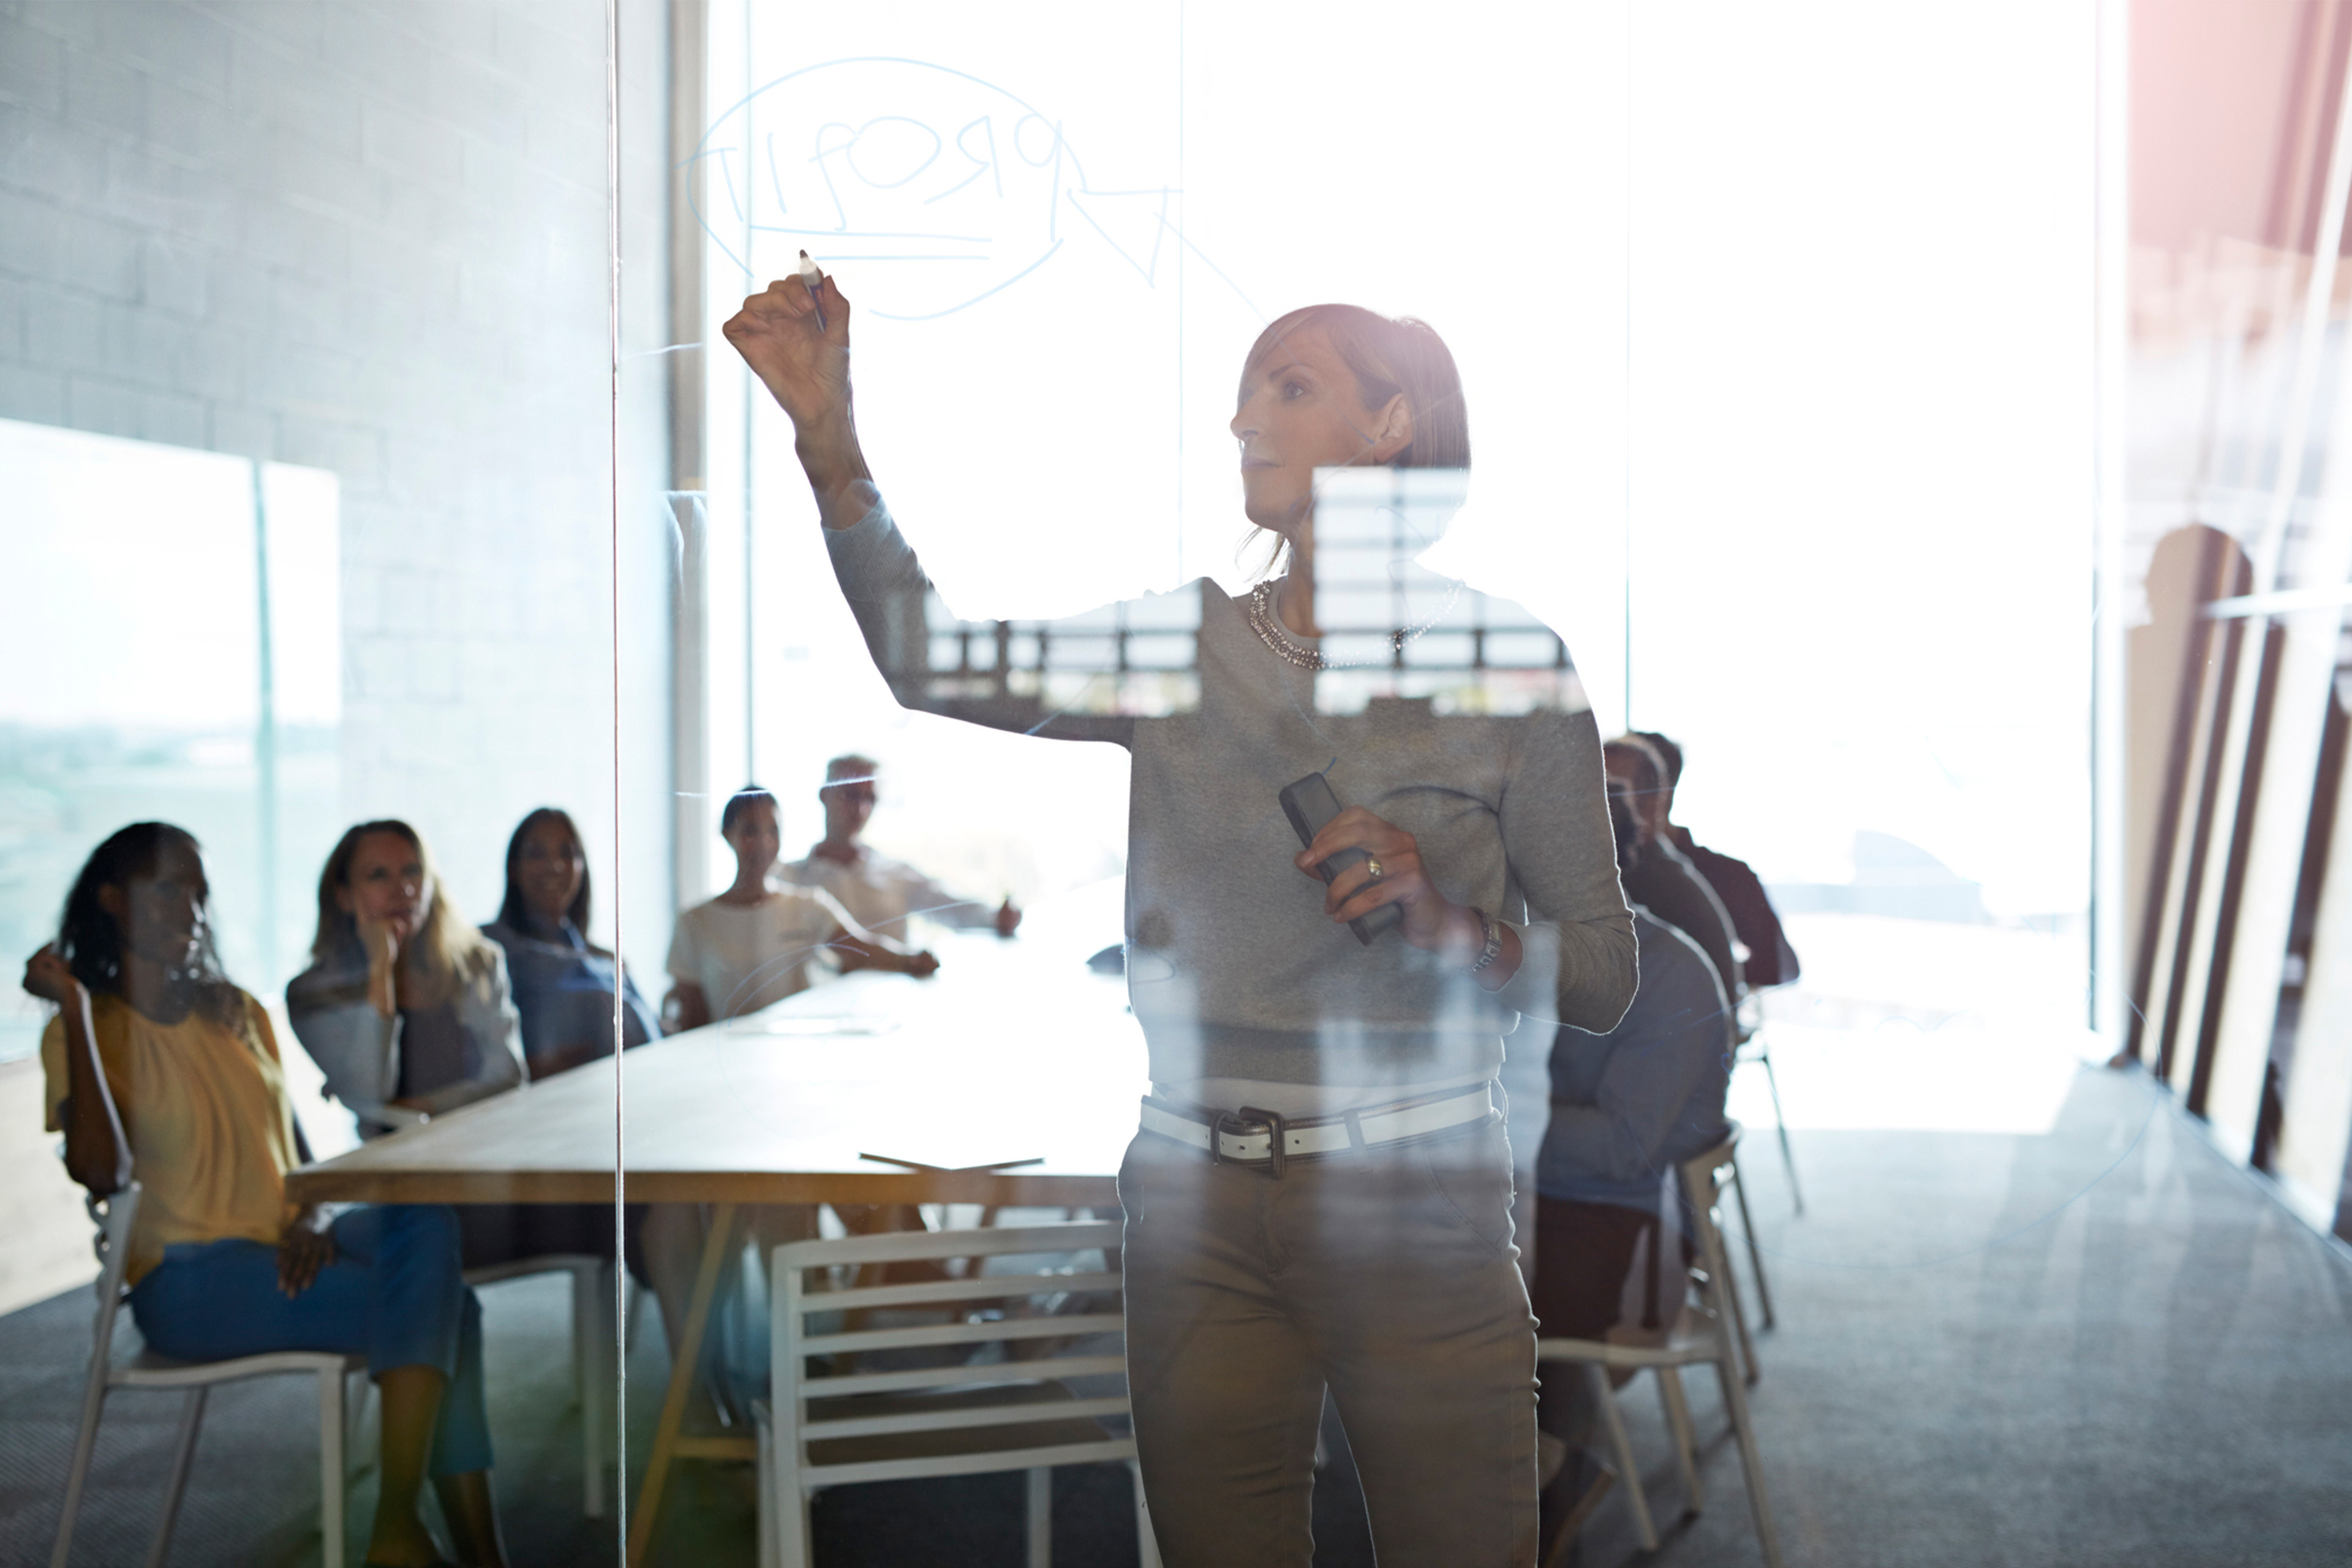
pixel 369 235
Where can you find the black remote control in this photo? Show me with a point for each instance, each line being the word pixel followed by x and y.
pixel 1309 804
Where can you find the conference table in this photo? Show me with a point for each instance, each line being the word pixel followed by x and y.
pixel 1008 1080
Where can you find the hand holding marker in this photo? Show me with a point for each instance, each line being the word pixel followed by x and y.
pixel 813 281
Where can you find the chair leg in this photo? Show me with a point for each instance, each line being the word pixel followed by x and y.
pixel 591 1373
pixel 1685 1437
pixel 1751 1464
pixel 763 1431
pixel 581 1305
pixel 636 1315
pixel 93 1402
pixel 175 1485
pixel 796 1541
pixel 1147 1542
pixel 1781 1123
pixel 1629 1471
pixel 1730 1290
pixel 1040 1518
pixel 331 1469
pixel 356 1455
pixel 1755 1253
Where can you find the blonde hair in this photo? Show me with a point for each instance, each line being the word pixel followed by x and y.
pixel 446 950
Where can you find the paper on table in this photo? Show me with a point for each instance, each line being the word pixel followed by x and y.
pixel 805 1023
pixel 919 1165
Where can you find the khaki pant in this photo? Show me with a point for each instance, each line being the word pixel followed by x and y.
pixel 1388 1276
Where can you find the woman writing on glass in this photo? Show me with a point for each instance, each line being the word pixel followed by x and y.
pixel 1375 1258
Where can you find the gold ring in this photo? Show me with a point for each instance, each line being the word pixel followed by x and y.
pixel 1372 867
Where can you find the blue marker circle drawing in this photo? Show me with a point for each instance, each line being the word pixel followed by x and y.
pixel 940 188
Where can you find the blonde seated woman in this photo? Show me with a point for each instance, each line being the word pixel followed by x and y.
pixel 406 1006
pixel 407 1010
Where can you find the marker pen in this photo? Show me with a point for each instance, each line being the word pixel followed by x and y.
pixel 812 280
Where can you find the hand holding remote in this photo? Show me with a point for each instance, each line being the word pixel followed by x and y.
pixel 1426 918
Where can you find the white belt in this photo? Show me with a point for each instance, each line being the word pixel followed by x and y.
pixel 1260 1137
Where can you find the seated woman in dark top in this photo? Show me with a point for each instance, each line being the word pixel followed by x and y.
pixel 563 984
pixel 564 990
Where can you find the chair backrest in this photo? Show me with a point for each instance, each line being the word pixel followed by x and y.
pixel 114 1218
pixel 1747 1017
pixel 1039 1347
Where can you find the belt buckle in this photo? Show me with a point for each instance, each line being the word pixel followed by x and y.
pixel 1245 1121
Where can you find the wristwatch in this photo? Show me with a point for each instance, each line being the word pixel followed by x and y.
pixel 1494 948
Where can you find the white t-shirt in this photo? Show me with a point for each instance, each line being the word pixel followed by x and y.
pixel 746 957
pixel 882 893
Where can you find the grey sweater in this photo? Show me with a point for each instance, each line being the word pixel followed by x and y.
pixel 359 1050
pixel 1234 970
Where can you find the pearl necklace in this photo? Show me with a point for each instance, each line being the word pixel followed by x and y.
pixel 1269 631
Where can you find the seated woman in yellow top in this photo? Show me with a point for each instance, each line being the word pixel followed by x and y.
pixel 158 1069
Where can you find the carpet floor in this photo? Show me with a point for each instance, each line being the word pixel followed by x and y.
pixel 2089 1345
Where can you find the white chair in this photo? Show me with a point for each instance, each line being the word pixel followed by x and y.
pixel 845 1427
pixel 1753 1045
pixel 1738 1190
pixel 1700 1335
pixel 592 1351
pixel 148 1370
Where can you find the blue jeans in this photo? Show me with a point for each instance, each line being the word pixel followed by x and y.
pixel 394 1291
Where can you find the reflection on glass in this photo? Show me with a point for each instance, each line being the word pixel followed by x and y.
pixel 213 699
pixel 1391 631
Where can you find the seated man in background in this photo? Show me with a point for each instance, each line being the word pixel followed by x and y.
pixel 1659 879
pixel 1627 1107
pixel 758 941
pixel 1770 960
pixel 880 893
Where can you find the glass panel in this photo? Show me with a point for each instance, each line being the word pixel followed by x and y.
pixel 310 449
pixel 194 712
pixel 2232 557
pixel 1780 453
pixel 392 510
